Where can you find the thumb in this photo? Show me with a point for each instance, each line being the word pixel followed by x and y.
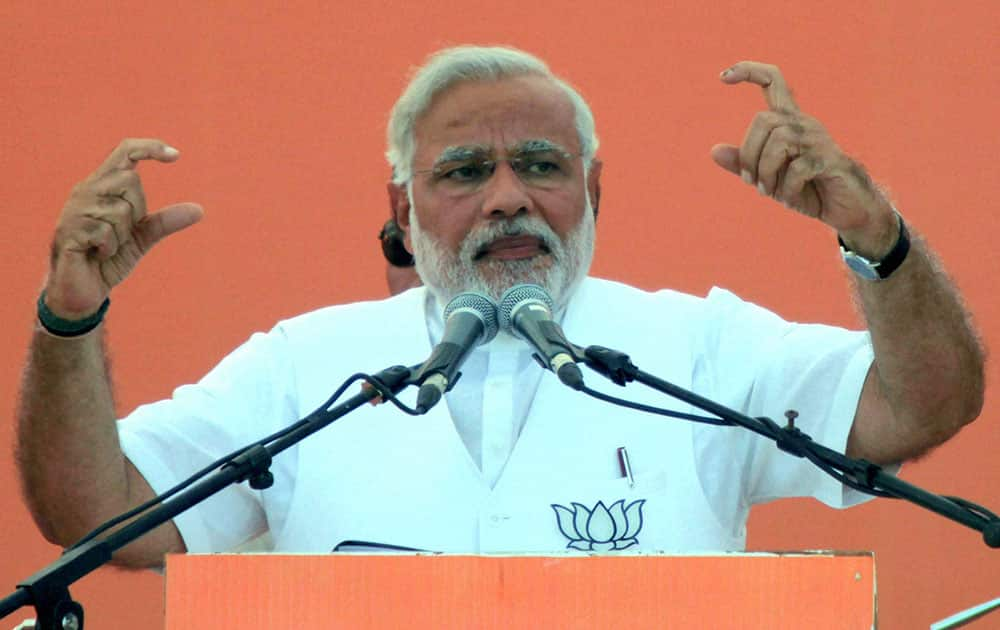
pixel 153 227
pixel 727 156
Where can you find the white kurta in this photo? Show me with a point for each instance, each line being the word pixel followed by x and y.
pixel 381 476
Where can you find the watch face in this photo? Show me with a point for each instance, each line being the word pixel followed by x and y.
pixel 876 271
pixel 860 266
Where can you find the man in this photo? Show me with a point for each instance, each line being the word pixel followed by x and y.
pixel 496 183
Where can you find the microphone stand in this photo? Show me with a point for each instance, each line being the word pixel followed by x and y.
pixel 48 589
pixel 866 476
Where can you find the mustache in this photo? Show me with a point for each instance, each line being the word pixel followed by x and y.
pixel 477 244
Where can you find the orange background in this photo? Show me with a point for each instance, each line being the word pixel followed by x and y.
pixel 280 113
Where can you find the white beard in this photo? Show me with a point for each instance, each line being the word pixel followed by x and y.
pixel 447 274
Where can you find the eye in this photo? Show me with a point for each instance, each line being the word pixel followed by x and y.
pixel 468 172
pixel 541 167
pixel 540 164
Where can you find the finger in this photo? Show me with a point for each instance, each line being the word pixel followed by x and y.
pixel 727 156
pixel 783 145
pixel 123 185
pixel 796 189
pixel 115 238
pixel 118 212
pixel 158 225
pixel 94 238
pixel 756 138
pixel 133 150
pixel 768 77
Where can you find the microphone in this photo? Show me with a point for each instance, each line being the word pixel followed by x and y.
pixel 470 319
pixel 526 313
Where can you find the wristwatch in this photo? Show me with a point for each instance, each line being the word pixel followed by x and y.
pixel 873 271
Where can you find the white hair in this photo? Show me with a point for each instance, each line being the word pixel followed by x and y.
pixel 471 63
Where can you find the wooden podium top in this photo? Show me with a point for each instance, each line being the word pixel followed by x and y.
pixel 789 590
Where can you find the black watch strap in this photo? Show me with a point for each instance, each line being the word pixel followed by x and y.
pixel 882 269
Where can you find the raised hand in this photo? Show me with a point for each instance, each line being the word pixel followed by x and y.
pixel 104 229
pixel 789 155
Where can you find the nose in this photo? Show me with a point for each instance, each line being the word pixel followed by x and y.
pixel 505 194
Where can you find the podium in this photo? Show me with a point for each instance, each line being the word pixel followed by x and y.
pixel 815 590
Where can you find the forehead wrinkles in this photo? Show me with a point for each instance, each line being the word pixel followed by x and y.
pixel 490 116
pixel 520 133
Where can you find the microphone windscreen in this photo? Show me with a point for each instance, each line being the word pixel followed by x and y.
pixel 479 304
pixel 517 295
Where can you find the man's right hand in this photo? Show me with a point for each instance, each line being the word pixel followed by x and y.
pixel 104 229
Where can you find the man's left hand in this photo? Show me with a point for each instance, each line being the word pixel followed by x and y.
pixel 789 156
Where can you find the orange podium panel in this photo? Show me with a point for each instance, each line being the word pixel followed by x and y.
pixel 791 590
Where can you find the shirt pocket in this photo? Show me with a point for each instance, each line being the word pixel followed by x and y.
pixel 659 511
pixel 611 515
pixel 573 514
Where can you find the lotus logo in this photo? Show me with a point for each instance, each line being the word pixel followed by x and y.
pixel 600 528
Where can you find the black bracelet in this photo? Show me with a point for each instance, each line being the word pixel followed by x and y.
pixel 69 327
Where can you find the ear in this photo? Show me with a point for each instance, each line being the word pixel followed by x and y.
pixel 399 208
pixel 594 185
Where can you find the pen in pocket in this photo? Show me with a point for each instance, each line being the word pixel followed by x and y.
pixel 625 466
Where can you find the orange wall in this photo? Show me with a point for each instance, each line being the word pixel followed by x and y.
pixel 280 114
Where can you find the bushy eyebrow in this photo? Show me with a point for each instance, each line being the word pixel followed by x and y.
pixel 536 145
pixel 462 153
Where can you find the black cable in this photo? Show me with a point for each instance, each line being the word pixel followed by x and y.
pixel 975 508
pixel 843 478
pixel 795 444
pixel 656 410
pixel 378 385
pixel 386 394
pixel 799 444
